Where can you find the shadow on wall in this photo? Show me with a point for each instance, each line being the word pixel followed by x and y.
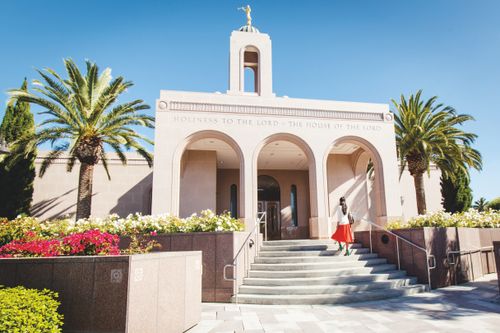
pixel 42 207
pixel 137 199
pixel 440 241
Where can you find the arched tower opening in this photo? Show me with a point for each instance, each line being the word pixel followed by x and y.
pixel 251 70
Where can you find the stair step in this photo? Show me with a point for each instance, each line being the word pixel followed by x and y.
pixel 318 265
pixel 305 247
pixel 326 288
pixel 329 280
pixel 309 253
pixel 361 296
pixel 337 258
pixel 301 242
pixel 315 272
pixel 321 272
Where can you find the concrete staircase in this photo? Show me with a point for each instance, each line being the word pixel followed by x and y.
pixel 314 272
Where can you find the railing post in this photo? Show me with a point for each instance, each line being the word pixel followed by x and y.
pixel 265 225
pixel 428 270
pixel 471 265
pixel 371 246
pixel 236 279
pixel 481 261
pixel 397 250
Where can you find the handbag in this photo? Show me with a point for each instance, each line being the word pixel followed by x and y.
pixel 350 218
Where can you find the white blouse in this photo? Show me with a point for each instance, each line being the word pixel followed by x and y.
pixel 342 218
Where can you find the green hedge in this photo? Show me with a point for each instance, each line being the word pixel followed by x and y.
pixel 29 311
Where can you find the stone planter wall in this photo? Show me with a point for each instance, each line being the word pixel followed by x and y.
pixel 438 241
pixel 496 253
pixel 219 249
pixel 156 292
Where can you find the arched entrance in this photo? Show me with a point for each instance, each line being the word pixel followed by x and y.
pixel 269 201
pixel 289 161
pixel 354 171
pixel 210 168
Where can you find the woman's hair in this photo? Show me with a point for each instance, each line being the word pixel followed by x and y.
pixel 343 205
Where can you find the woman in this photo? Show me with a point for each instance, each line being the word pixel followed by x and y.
pixel 343 234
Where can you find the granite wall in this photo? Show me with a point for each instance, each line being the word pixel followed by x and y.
pixel 218 249
pixel 156 292
pixel 474 260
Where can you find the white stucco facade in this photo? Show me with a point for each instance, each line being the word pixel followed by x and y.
pixel 248 122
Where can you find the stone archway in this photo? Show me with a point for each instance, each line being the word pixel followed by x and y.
pixel 290 160
pixel 346 174
pixel 203 164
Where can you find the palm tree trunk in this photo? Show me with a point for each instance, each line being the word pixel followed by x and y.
pixel 418 179
pixel 84 203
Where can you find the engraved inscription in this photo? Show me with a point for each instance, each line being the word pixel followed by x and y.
pixel 295 124
pixel 275 111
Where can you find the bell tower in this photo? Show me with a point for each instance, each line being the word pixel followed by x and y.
pixel 250 55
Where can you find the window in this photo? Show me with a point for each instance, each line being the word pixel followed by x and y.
pixel 233 204
pixel 293 204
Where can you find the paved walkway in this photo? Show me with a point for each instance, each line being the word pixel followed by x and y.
pixel 472 307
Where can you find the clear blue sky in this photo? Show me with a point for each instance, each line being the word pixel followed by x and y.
pixel 354 50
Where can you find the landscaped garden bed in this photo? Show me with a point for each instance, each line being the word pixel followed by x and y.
pixel 79 259
pixel 94 263
pixel 461 244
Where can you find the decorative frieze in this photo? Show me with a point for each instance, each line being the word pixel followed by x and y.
pixel 271 111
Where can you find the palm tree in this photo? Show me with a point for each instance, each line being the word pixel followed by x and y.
pixel 82 121
pixel 427 133
pixel 480 205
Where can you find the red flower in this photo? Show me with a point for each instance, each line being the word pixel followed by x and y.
pixel 92 242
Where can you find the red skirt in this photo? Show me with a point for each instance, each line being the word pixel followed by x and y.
pixel 343 234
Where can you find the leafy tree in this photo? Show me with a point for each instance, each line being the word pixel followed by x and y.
pixel 16 179
pixel 456 193
pixel 426 133
pixel 494 204
pixel 480 205
pixel 81 122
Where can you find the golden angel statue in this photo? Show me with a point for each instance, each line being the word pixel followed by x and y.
pixel 247 10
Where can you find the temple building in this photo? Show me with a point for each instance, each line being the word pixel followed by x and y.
pixel 249 151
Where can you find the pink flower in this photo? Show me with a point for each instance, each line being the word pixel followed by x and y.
pixel 92 242
pixel 153 233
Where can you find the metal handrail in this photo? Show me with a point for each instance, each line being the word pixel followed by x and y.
pixel 451 256
pixel 428 257
pixel 262 219
pixel 243 249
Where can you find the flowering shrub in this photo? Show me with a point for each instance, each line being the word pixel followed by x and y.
pixel 206 221
pixel 33 248
pixel 17 228
pixel 26 236
pixel 469 219
pixel 92 242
